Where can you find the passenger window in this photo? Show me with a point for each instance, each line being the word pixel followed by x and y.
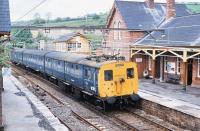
pixel 86 72
pixel 130 73
pixel 76 67
pixel 108 74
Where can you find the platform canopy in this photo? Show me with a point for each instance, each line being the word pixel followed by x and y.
pixel 184 53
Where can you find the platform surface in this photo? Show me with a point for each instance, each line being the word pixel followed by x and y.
pixel 22 111
pixel 172 96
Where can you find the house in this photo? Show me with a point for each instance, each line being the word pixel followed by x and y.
pixel 172 54
pixel 5 25
pixel 73 42
pixel 140 16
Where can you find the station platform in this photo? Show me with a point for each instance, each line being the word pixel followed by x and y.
pixel 23 111
pixel 172 96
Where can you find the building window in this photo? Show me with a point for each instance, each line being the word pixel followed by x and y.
pixel 119 32
pixel 115 31
pixel 79 45
pixel 150 62
pixel 178 64
pixel 165 63
pixel 199 66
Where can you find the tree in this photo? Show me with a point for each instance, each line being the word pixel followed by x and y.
pixel 24 35
pixel 96 17
pixel 38 19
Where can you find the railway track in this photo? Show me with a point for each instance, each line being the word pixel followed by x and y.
pixel 127 118
pixel 91 121
pixel 137 123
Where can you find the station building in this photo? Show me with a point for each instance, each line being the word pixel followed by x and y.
pixel 164 42
pixel 173 53
pixel 139 18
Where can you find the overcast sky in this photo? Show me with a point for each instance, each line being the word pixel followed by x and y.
pixel 64 8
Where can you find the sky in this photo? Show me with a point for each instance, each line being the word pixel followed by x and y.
pixel 63 8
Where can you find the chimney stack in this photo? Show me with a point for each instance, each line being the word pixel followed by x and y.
pixel 150 4
pixel 171 9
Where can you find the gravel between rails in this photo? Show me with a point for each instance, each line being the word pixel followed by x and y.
pixel 64 112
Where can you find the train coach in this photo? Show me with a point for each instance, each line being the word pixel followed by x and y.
pixel 104 79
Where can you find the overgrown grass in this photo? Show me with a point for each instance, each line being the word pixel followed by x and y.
pixel 77 23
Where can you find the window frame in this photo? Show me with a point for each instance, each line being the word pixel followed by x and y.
pixel 111 77
pixel 132 75
pixel 119 32
pixel 198 64
pixel 115 32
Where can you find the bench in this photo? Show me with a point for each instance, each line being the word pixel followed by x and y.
pixel 173 78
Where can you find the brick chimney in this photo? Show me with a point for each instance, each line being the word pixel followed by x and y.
pixel 171 10
pixel 150 3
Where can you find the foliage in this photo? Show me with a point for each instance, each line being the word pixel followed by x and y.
pixel 96 17
pixel 88 20
pixel 194 7
pixel 95 40
pixel 38 19
pixel 22 35
pixel 3 56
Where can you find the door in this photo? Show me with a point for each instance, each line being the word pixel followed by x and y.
pixel 189 76
pixel 157 68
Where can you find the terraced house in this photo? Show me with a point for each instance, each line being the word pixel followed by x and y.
pixel 151 26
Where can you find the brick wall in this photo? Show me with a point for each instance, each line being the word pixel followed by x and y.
pixel 144 65
pixel 113 45
pixel 195 78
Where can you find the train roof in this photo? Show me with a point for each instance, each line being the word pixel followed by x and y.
pixel 18 50
pixel 69 57
pixel 35 52
pixel 77 59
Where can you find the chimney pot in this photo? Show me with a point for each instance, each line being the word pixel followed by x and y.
pixel 171 11
pixel 150 4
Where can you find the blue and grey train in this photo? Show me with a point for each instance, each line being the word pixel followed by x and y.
pixel 103 78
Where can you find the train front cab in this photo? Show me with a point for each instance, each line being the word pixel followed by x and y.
pixel 118 82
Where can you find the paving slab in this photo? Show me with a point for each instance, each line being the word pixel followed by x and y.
pixel 172 96
pixel 21 109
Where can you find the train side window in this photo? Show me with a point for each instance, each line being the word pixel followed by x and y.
pixel 130 73
pixel 86 72
pixel 76 67
pixel 108 75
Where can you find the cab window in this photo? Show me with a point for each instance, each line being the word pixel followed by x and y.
pixel 130 73
pixel 108 74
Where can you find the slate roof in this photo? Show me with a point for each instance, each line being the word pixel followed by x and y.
pixel 138 16
pixel 180 31
pixel 5 25
pixel 67 37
